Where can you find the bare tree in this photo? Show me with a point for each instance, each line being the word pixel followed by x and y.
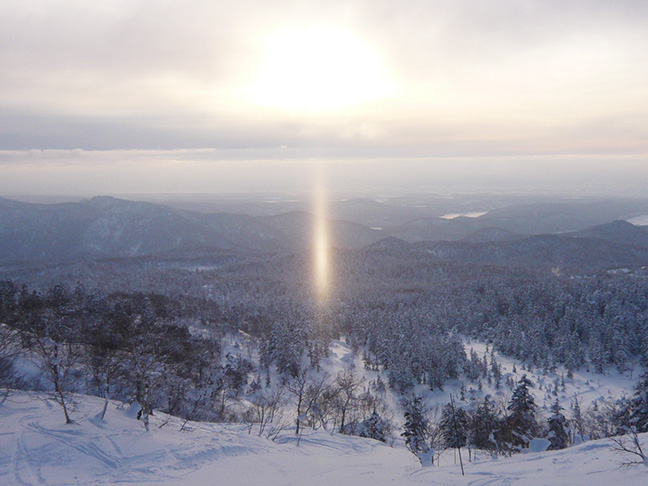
pixel 103 359
pixel 49 331
pixel 57 359
pixel 306 389
pixel 265 407
pixel 147 369
pixel 347 384
pixel 630 449
pixel 9 350
pixel 144 368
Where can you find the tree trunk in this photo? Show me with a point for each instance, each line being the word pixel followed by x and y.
pixel 145 408
pixel 299 404
pixel 65 412
pixel 59 392
pixel 106 398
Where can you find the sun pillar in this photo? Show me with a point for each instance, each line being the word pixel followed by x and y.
pixel 321 242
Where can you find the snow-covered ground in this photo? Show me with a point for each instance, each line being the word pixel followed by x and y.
pixel 587 387
pixel 36 447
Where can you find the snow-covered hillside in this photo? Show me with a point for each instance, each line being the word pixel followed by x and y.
pixel 587 387
pixel 36 447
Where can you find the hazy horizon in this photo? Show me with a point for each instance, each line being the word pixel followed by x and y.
pixel 213 97
pixel 79 173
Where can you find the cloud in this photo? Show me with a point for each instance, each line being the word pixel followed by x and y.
pixel 475 78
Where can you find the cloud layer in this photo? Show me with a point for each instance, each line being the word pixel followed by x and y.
pixel 461 78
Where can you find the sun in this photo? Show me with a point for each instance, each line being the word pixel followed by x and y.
pixel 317 69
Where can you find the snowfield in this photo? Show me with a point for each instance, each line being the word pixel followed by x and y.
pixel 588 387
pixel 36 447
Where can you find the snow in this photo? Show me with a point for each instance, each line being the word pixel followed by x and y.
pixel 639 220
pixel 539 445
pixel 36 447
pixel 473 214
pixel 587 386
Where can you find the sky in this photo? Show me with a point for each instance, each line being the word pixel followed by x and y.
pixel 163 96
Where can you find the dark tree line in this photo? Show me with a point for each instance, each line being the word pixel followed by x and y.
pixel 125 346
pixel 381 299
pixel 148 349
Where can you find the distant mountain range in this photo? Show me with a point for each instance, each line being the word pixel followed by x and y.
pixel 617 232
pixel 105 227
pixel 528 219
pixel 543 251
pixel 109 227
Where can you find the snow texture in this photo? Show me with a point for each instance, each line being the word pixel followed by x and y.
pixel 36 447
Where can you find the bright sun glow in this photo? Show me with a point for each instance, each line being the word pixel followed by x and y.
pixel 321 259
pixel 317 69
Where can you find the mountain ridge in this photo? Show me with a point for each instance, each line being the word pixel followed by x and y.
pixel 105 226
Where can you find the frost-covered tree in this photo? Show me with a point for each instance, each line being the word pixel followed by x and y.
pixel 9 338
pixel 484 424
pixel 416 431
pixel 105 332
pixel 285 347
pixel 375 427
pixel 9 351
pixel 49 332
pixel 521 421
pixel 235 372
pixel 577 421
pixel 454 426
pixel 631 450
pixel 558 433
pixel 495 371
pixel 635 413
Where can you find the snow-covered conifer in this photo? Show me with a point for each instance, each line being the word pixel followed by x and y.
pixel 454 426
pixel 558 431
pixel 375 427
pixel 416 431
pixel 635 413
pixel 522 423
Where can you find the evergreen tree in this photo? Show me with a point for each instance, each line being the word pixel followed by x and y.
pixel 416 429
pixel 235 372
pixel 577 421
pixel 635 413
pixel 285 347
pixel 484 423
pixel 496 371
pixel 522 423
pixel 379 386
pixel 454 427
pixel 374 427
pixel 558 432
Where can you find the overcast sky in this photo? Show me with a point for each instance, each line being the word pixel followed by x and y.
pixel 247 95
